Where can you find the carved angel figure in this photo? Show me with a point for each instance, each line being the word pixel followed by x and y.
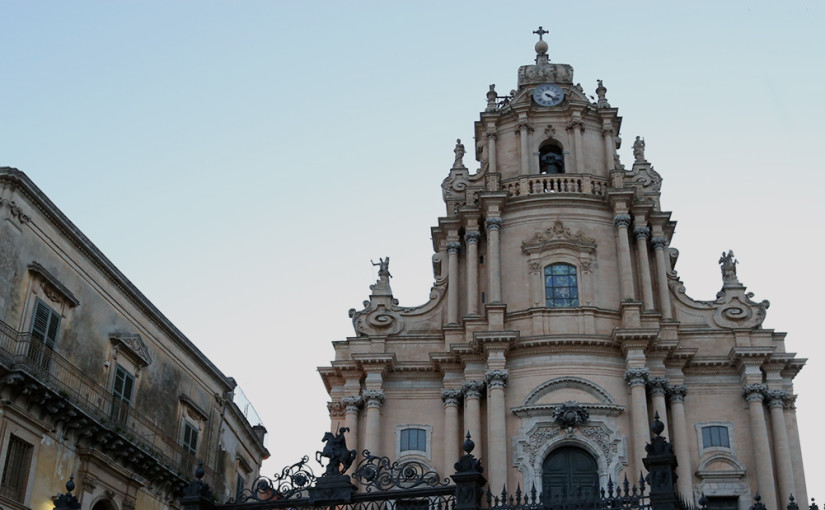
pixel 728 264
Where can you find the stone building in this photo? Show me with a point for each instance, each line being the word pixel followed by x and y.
pixel 558 326
pixel 96 382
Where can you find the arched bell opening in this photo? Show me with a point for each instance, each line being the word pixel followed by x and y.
pixel 569 471
pixel 551 159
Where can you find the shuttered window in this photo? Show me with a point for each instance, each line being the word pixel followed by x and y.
pixel 715 435
pixel 190 438
pixel 414 439
pixel 16 469
pixel 122 394
pixel 45 324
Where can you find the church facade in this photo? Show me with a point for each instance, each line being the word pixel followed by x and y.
pixel 96 383
pixel 557 325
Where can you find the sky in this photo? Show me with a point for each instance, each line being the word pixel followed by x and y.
pixel 242 162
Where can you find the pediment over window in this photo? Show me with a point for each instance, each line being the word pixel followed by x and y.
pixel 558 236
pixel 52 287
pixel 191 409
pixel 132 346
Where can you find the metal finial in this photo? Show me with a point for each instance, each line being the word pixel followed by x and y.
pixel 469 444
pixel 541 31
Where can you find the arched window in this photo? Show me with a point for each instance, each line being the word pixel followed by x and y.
pixel 561 286
pixel 551 160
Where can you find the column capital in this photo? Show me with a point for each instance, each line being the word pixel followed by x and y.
pixel 636 376
pixel 453 247
pixel 621 220
pixel 490 134
pixel 472 237
pixel 776 398
pixel 677 392
pixel 336 408
pixel 352 403
pixel 659 242
pixel 657 385
pixel 641 233
pixel 472 389
pixel 754 392
pixel 451 396
pixel 496 378
pixel 493 223
pixel 374 398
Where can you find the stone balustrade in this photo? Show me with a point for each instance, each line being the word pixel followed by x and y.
pixel 555 183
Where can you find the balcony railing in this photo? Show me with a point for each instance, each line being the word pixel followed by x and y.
pixel 555 183
pixel 19 351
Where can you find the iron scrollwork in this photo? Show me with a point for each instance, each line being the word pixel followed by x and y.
pixel 292 482
pixel 381 474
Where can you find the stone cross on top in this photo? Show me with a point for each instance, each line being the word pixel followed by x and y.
pixel 541 31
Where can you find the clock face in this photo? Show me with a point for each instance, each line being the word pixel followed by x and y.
pixel 548 94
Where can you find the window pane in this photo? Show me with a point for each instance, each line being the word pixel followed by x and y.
pixel 16 469
pixel 405 440
pixel 561 285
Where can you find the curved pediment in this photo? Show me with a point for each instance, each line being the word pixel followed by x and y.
pixel 720 465
pixel 579 389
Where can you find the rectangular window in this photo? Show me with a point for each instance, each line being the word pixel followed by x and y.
pixel 190 438
pixel 414 439
pixel 715 436
pixel 122 394
pixel 44 329
pixel 16 469
pixel 240 482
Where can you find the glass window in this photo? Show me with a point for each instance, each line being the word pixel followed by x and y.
pixel 715 436
pixel 561 286
pixel 414 439
pixel 190 438
pixel 45 325
pixel 16 469
pixel 122 394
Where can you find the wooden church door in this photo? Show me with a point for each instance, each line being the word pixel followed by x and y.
pixel 569 471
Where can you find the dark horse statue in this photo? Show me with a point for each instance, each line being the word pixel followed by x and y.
pixel 335 449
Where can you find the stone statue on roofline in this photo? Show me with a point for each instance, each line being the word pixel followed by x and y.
pixel 639 150
pixel 728 264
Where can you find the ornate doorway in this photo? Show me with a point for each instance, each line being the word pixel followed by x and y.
pixel 569 471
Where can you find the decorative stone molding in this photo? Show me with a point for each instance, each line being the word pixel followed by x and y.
pixel 472 389
pixel 132 346
pixel 17 213
pixel 641 233
pixel 451 396
pixel 493 223
pixel 636 376
pixel 754 392
pixel 336 409
pixel 191 410
pixel 556 236
pixel 129 503
pixel 453 247
pixel 573 124
pixel 374 398
pixel 568 382
pixel 496 378
pixel 659 242
pixel 677 392
pixel 657 385
pixel 51 286
pixel 621 220
pixel 523 126
pixel 570 414
pixel 472 237
pixel 776 398
pixel 352 403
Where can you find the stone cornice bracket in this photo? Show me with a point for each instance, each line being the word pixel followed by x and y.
pixel 451 396
pixel 336 409
pixel 641 233
pixel 659 242
pixel 677 392
pixel 453 247
pixel 374 398
pixel 636 376
pixel 777 398
pixel 657 385
pixel 52 287
pixel 496 378
pixel 493 223
pixel 754 392
pixel 621 220
pixel 471 237
pixel 352 403
pixel 472 389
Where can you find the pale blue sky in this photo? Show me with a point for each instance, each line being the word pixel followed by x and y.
pixel 242 162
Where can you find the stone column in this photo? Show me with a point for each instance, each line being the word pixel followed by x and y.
pixel 642 234
pixel 658 389
pixel 491 151
pixel 622 222
pixel 801 493
pixel 452 286
pixel 609 146
pixel 659 245
pixel 636 378
pixel 781 446
pixel 577 128
pixel 678 424
pixel 494 258
pixel 372 441
pixel 353 403
pixel 452 432
pixel 497 427
pixel 523 129
pixel 471 238
pixel 472 408
pixel 754 394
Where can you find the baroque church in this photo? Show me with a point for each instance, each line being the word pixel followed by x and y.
pixel 558 327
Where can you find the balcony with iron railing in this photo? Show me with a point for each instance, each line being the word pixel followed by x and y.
pixel 21 353
pixel 544 184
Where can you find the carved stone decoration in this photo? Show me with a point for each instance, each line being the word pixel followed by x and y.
pixel 657 385
pixel 557 236
pixel 336 409
pixel 451 396
pixel 51 286
pixel 639 150
pixel 728 266
pixel 453 247
pixel 570 414
pixel 776 398
pixel 621 220
pixel 374 398
pixel 131 345
pixel 18 214
pixel 754 392
pixel 677 392
pixel 493 223
pixel 472 237
pixel 733 307
pixel 496 378
pixel 352 403
pixel 636 376
pixel 641 233
pixel 472 389
pixel 459 154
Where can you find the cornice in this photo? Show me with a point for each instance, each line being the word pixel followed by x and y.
pixel 547 409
